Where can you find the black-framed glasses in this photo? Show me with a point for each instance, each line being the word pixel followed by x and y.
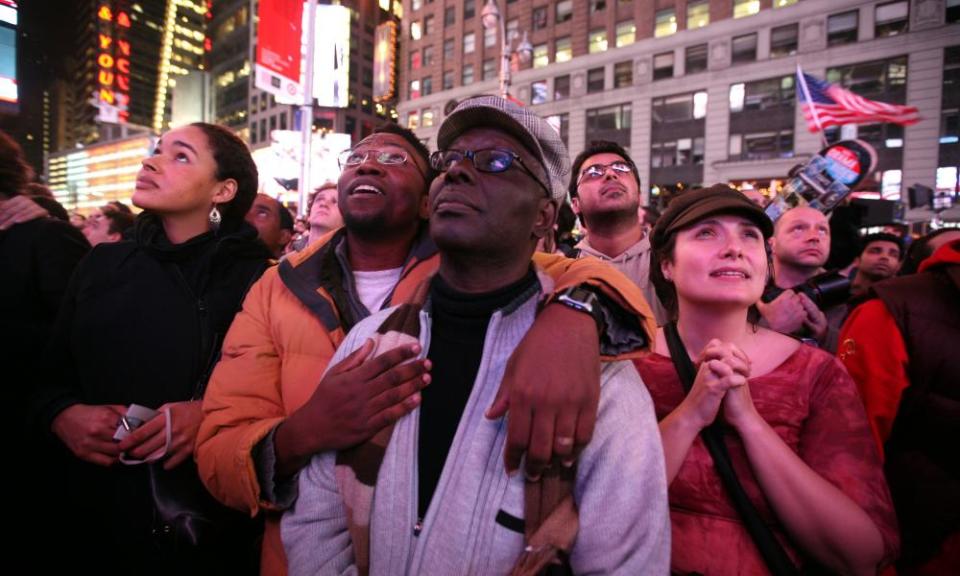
pixel 595 171
pixel 351 157
pixel 493 160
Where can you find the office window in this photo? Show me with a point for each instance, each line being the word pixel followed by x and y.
pixel 597 6
pixel 623 74
pixel 564 11
pixel 783 40
pixel 448 80
pixel 564 49
pixel 426 87
pixel 427 25
pixel 413 121
pixel 416 4
pixel 414 89
pixel 842 28
pixel 415 31
pixel 763 94
pixel 449 16
pixel 560 123
pixel 469 9
pixel 283 121
pixel 744 48
pixel 595 78
pixel 698 14
pixel 253 133
pixel 743 8
pixel 538 92
pixel 609 123
pixel 627 33
pixel 469 43
pixel 663 66
pixel 489 69
pixel 415 60
pixel 561 87
pixel 680 108
pixel 892 18
pixel 539 17
pixel 427 55
pixel 489 37
pixel 466 76
pixel 679 152
pixel 696 59
pixel 541 57
pixel 426 117
pixel 879 79
pixel 513 29
pixel 597 41
pixel 765 145
pixel 665 23
pixel 783 3
pixel 953 13
pixel 448 50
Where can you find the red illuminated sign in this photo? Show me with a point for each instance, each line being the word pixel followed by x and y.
pixel 113 62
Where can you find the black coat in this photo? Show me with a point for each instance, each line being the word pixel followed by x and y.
pixel 142 322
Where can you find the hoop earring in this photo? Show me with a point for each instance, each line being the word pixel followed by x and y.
pixel 215 218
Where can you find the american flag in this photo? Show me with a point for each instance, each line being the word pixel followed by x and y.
pixel 831 105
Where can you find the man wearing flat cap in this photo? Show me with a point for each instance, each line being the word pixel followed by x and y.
pixel 440 501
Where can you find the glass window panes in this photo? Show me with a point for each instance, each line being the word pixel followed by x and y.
pixel 538 92
pixel 448 80
pixel 540 56
pixel 414 89
pixel 609 123
pixel 564 49
pixel 623 74
pixel 842 28
pixel 489 37
pixel 427 25
pixel 426 117
pixel 783 40
pixel 744 48
pixel 597 41
pixel 743 8
pixel 539 17
pixel 415 31
pixel 469 9
pixel 413 121
pixel 761 145
pixel 561 87
pixel 663 66
pixel 560 123
pixel 698 14
pixel 892 18
pixel 763 94
pixel 466 76
pixel 595 79
pixel 680 108
pixel 448 50
pixel 489 69
pixel 665 23
pixel 564 11
pixel 696 59
pixel 469 43
pixel 597 6
pixel 427 55
pixel 449 16
pixel 627 33
pixel 426 86
pixel 783 3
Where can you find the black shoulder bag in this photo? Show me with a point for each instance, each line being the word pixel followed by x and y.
pixel 770 549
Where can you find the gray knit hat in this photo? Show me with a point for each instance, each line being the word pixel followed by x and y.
pixel 522 123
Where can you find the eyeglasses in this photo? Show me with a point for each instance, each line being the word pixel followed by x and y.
pixel 352 157
pixel 493 160
pixel 595 171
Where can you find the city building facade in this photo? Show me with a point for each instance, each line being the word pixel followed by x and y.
pixel 701 91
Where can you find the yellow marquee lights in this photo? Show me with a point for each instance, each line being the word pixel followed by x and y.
pixel 166 50
pixel 384 62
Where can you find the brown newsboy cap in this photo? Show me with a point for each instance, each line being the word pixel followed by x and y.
pixel 691 206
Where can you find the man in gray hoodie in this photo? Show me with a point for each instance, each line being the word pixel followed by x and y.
pixel 443 502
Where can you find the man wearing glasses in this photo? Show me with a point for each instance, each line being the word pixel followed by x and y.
pixel 438 500
pixel 271 403
pixel 605 191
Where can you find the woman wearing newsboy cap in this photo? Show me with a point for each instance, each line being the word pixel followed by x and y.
pixel 787 416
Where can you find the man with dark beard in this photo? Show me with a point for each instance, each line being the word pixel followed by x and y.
pixel 605 191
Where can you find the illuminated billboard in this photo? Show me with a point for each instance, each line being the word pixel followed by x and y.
pixel 9 95
pixel 89 178
pixel 331 58
pixel 281 161
pixel 279 48
pixel 385 61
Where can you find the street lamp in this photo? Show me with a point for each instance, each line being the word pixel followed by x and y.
pixel 491 18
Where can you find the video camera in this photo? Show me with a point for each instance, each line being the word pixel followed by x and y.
pixel 825 290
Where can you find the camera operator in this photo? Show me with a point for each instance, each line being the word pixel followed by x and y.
pixel 801 300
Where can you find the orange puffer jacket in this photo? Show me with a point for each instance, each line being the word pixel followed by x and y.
pixel 278 348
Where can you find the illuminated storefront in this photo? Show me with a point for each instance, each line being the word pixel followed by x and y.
pixel 86 179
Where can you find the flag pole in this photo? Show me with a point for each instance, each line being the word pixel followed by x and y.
pixel 813 109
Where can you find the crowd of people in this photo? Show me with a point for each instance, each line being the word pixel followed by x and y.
pixel 432 375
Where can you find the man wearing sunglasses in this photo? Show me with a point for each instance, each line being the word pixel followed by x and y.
pixel 272 404
pixel 605 192
pixel 441 502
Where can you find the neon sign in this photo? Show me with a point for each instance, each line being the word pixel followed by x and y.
pixel 113 63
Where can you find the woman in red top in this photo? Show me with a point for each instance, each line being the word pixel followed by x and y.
pixel 795 427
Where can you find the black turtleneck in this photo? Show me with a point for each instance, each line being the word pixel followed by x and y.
pixel 458 328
